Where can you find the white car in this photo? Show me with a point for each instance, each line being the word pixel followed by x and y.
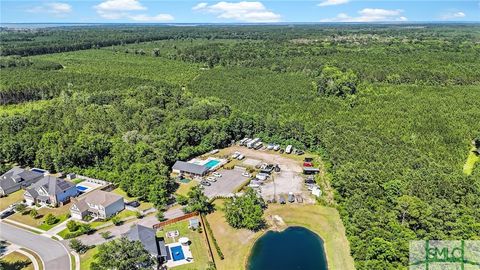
pixel 270 147
pixel 216 174
pixel 235 155
pixel 240 157
pixel 246 174
pixel 212 179
pixel 276 147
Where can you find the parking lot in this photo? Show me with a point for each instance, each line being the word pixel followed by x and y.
pixel 225 185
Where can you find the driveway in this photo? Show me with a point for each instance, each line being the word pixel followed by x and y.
pixel 52 253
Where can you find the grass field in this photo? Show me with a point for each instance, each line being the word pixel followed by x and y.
pixel 143 205
pixel 87 258
pixel 470 163
pixel 60 212
pixel 198 247
pixel 14 197
pixel 17 261
pixel 184 188
pixel 325 221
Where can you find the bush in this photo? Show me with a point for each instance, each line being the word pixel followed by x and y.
pixel 50 219
pixel 116 220
pixel 106 235
pixel 20 208
pixel 139 214
pixel 72 226
pixel 182 200
pixel 33 213
pixel 77 245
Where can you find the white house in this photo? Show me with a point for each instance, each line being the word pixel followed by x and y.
pixel 97 203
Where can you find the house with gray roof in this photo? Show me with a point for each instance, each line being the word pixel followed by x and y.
pixel 50 190
pixel 149 240
pixel 192 169
pixel 98 203
pixel 17 178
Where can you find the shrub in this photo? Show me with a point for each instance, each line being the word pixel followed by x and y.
pixel 50 219
pixel 33 213
pixel 72 226
pixel 77 245
pixel 182 200
pixel 217 247
pixel 116 220
pixel 20 208
pixel 106 235
pixel 139 214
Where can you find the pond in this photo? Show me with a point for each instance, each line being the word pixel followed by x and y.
pixel 295 248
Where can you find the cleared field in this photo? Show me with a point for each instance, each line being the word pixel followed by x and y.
pixel 17 196
pixel 143 205
pixel 325 221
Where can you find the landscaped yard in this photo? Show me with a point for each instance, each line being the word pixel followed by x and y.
pixel 198 245
pixel 325 221
pixel 17 261
pixel 17 196
pixel 122 215
pixel 60 212
pixel 87 258
pixel 143 205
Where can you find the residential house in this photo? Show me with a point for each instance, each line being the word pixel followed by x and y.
pixel 98 204
pixel 192 169
pixel 17 178
pixel 149 240
pixel 50 190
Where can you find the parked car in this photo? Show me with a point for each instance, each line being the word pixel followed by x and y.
pixel 276 147
pixel 205 183
pixel 281 199
pixel 216 174
pixel 6 213
pixel 246 174
pixel 270 146
pixel 235 155
pixel 289 149
pixel 277 168
pixel 212 179
pixel 291 197
pixel 299 152
pixel 133 204
pixel 254 185
pixel 240 157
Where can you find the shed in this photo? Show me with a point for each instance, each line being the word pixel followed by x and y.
pixel 193 223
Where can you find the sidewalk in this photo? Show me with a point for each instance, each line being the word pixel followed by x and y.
pixel 16 248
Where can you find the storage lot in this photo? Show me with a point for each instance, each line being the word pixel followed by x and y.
pixel 289 179
pixel 225 185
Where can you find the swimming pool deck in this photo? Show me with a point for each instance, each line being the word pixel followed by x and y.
pixel 186 252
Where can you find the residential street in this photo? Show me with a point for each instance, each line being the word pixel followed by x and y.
pixel 53 254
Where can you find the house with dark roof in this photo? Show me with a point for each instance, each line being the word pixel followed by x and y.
pixel 50 190
pixel 17 178
pixel 149 240
pixel 98 203
pixel 192 169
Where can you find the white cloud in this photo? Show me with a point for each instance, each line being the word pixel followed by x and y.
pixel 55 8
pixel 156 18
pixel 332 3
pixel 370 15
pixel 240 11
pixel 452 15
pixel 122 9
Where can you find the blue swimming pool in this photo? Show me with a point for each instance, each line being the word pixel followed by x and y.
pixel 81 188
pixel 212 163
pixel 177 253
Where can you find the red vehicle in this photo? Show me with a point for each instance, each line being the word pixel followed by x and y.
pixel 307 164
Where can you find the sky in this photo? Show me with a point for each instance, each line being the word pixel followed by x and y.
pixel 271 11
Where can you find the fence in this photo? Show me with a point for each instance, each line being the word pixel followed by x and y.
pixel 174 220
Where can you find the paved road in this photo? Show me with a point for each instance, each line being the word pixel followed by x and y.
pixel 53 254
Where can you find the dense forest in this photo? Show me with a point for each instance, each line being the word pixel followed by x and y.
pixel 391 109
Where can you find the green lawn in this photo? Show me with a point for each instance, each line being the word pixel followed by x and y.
pixel 184 188
pixel 143 205
pixel 198 247
pixel 122 215
pixel 17 261
pixel 470 163
pixel 87 258
pixel 16 196
pixel 60 212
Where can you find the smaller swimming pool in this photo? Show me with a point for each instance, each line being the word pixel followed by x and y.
pixel 212 163
pixel 177 253
pixel 81 188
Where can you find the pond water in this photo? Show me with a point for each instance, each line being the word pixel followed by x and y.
pixel 295 248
